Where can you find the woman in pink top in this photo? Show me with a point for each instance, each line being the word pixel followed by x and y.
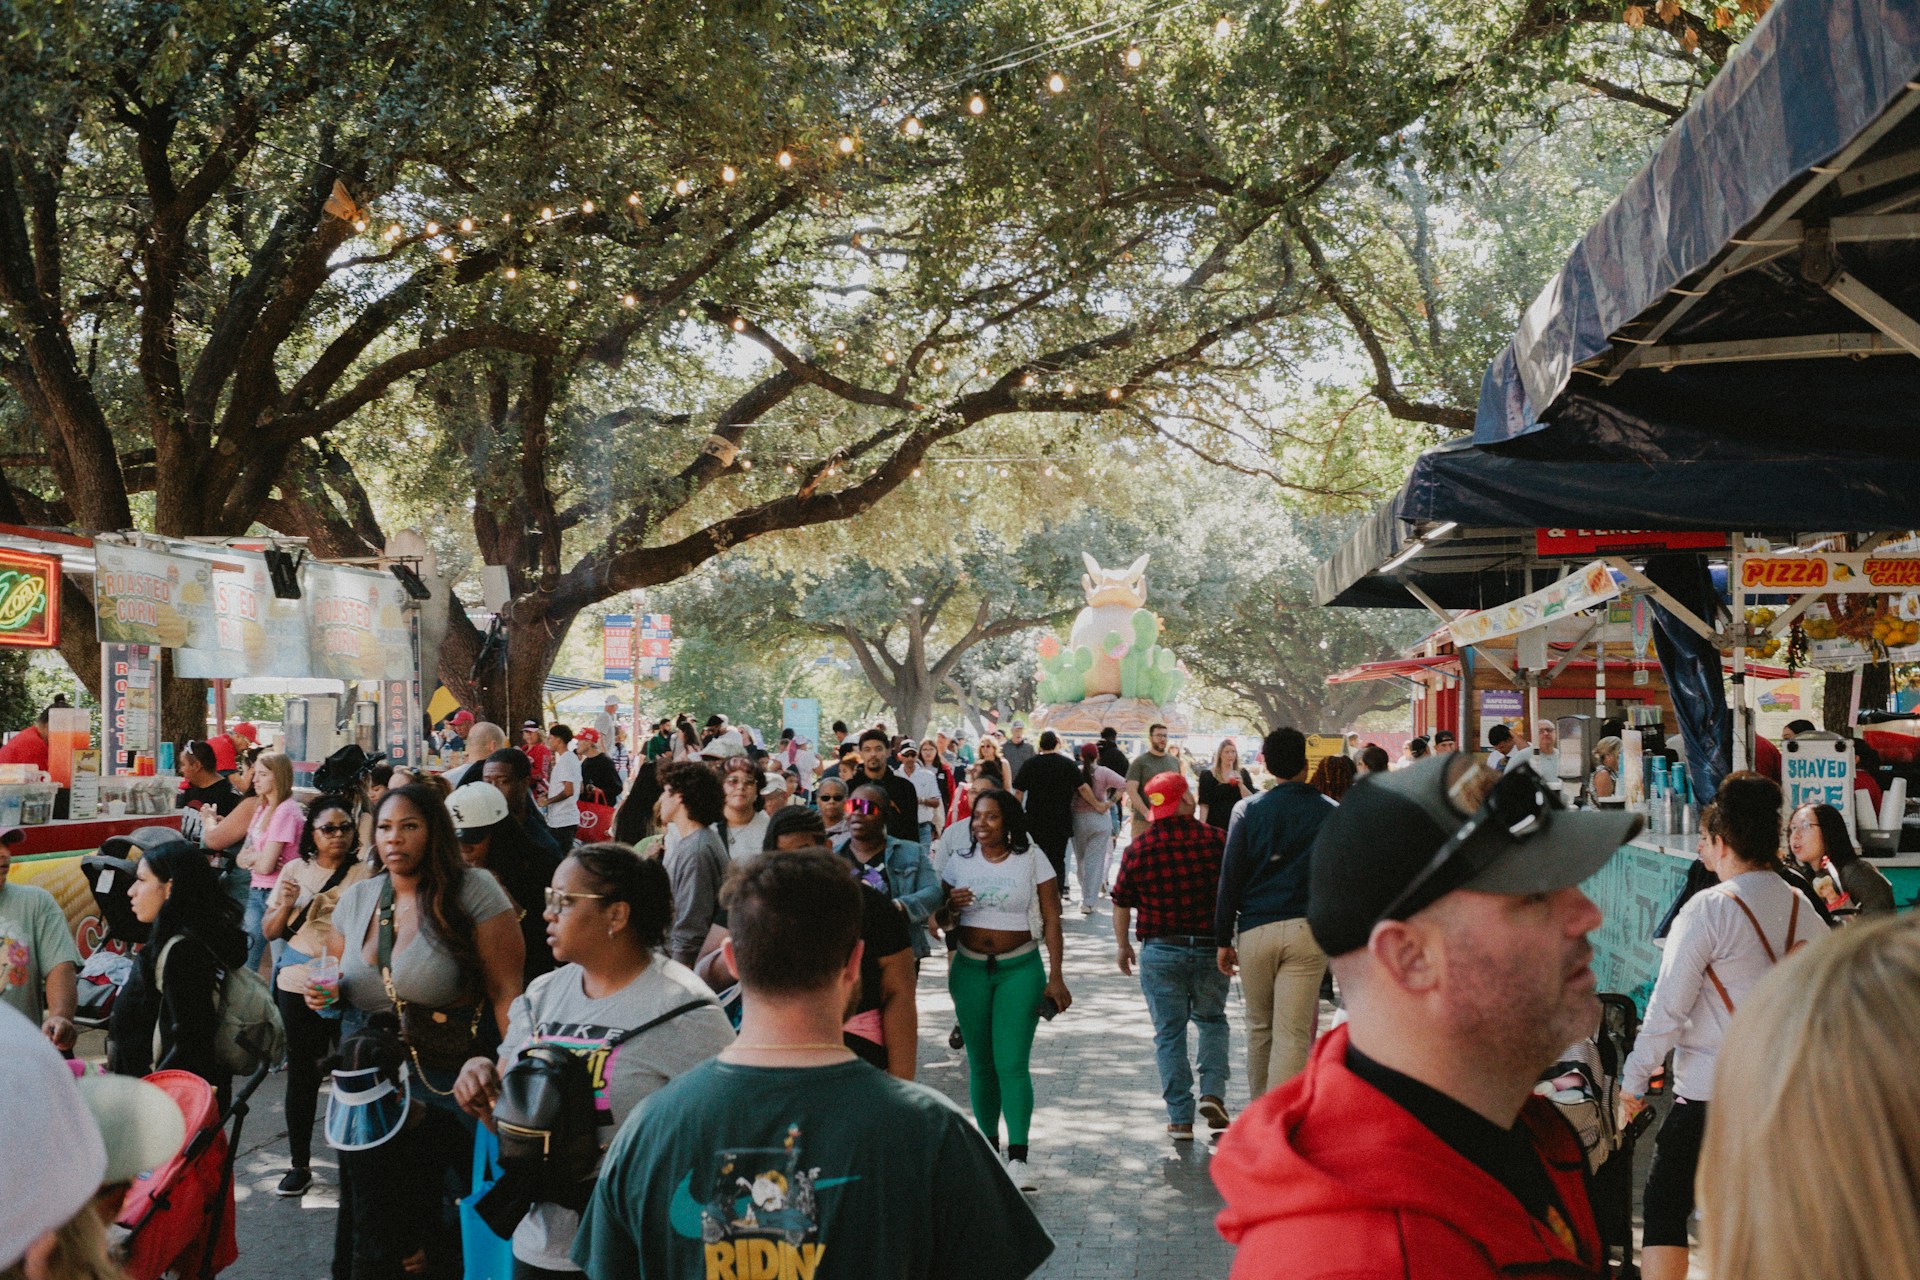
pixel 273 840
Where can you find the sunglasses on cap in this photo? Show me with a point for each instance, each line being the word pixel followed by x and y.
pixel 863 806
pixel 1516 808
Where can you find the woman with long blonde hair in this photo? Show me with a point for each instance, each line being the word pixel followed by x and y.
pixel 1811 1164
pixel 273 840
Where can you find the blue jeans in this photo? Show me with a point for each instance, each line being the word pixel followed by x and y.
pixel 1185 984
pixel 256 915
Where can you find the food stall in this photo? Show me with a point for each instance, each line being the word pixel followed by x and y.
pixel 222 611
pixel 1732 348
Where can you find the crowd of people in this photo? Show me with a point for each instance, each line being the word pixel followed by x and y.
pixel 694 1043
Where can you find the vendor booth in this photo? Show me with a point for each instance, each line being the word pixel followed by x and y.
pixel 1730 354
pixel 224 611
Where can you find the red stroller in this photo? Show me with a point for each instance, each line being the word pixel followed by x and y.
pixel 179 1217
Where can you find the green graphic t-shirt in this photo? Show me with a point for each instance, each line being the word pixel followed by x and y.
pixel 34 941
pixel 804 1173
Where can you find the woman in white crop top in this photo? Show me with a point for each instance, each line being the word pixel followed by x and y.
pixel 998 985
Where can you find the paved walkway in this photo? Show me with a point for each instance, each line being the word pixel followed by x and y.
pixel 1119 1198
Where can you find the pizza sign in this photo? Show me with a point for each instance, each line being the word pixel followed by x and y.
pixel 29 600
pixel 1838 574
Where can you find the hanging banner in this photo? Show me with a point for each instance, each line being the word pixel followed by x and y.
pixel 358 623
pixel 145 597
pixel 129 704
pixel 1580 543
pixel 1501 706
pixel 29 600
pixel 653 647
pixel 802 715
pixel 616 647
pixel 255 633
pixel 1582 589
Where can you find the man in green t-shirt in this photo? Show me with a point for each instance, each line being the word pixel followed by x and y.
pixel 39 963
pixel 1147 766
pixel 787 1158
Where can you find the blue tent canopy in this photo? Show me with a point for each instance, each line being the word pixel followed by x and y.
pixel 1757 281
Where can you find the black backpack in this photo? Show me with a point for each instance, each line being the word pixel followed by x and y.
pixel 549 1128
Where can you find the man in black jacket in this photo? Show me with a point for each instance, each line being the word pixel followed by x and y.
pixel 903 822
pixel 1260 921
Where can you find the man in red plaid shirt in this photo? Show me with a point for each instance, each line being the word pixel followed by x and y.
pixel 1168 883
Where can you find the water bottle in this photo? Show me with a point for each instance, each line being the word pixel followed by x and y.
pixel 166 758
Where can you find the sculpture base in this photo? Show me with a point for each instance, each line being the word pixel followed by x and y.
pixel 1130 717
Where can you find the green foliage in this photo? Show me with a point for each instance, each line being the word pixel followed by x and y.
pixel 271 707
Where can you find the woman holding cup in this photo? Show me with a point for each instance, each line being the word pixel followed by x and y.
pixel 300 910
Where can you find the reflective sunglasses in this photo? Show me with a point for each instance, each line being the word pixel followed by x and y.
pixel 334 828
pixel 1516 808
pixel 558 900
pixel 863 807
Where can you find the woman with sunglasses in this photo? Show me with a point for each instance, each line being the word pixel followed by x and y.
pixel 300 911
pixel 830 797
pixel 744 822
pixel 607 915
pixel 995 765
pixel 995 977
pixel 898 868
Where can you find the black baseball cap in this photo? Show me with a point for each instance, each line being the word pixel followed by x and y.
pixel 1389 827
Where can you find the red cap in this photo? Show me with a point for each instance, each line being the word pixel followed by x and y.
pixel 463 716
pixel 245 729
pixel 1164 792
pixel 591 735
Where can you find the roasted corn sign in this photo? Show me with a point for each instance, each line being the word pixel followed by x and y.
pixel 29 600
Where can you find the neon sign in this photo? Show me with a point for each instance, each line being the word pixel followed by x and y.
pixel 29 600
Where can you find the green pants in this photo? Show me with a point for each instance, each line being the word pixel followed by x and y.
pixel 997 1003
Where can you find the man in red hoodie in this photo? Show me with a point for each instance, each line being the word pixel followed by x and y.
pixel 1412 1146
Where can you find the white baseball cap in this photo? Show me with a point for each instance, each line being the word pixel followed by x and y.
pixel 45 1115
pixel 142 1126
pixel 477 806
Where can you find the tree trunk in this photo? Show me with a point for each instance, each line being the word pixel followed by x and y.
pixel 532 645
pixel 913 705
pixel 183 703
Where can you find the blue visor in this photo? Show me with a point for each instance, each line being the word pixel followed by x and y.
pixel 366 1108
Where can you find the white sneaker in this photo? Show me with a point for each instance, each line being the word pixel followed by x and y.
pixel 1022 1175
pixel 1086 908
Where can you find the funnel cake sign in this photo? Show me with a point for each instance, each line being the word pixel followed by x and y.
pixel 29 600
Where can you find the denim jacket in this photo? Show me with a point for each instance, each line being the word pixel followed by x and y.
pixel 911 882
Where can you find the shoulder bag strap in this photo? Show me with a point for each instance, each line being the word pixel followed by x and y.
pixel 668 1016
pixel 383 948
pixel 299 921
pixel 1793 924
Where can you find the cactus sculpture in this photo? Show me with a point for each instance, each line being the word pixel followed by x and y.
pixel 1063 675
pixel 1113 649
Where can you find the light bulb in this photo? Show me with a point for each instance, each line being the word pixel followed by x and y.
pixel 513 273
pixel 546 215
pixel 628 300
pixel 939 366
pixel 977 105
pixel 433 228
pixel 1134 57
pixel 359 224
pixel 1222 27
pixel 394 232
pixel 683 313
pixel 446 254
pixel 681 187
pixel 739 325
pixel 1113 393
pixel 960 472
pixel 746 464
pixel 839 344
pixel 466 224
pixel 1049 472
pixel 1028 381
pixel 1070 388
pixel 1056 83
pixel 573 286
pixel 633 197
pixel 728 173
pixel 916 473
pixel 913 127
pixel 784 159
pixel 888 357
pixel 586 206
pixel 505 218
pixel 846 145
pixel 789 468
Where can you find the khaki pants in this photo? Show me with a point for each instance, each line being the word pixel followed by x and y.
pixel 1280 971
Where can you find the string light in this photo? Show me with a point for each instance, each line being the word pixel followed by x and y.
pixel 840 344
pixel 546 215
pixel 739 325
pixel 433 228
pixel 913 128
pixel 1133 57
pixel 1056 83
pixel 728 173
pixel 359 224
pixel 633 198
pixel 939 366
pixel 505 219
pixel 586 206
pixel 681 187
pixel 1113 393
pixel 846 145
pixel 784 159
pixel 1222 27
pixel 628 300
pixel 1028 381
pixel 977 105
pixel 446 254
pixel 789 468
pixel 573 286
pixel 746 464
pixel 888 357
pixel 466 224
pixel 916 473
pixel 394 232
pixel 513 273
